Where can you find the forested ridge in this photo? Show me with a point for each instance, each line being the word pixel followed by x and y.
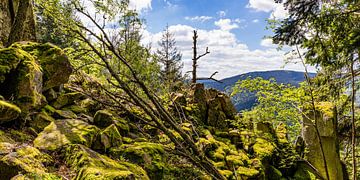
pixel 81 97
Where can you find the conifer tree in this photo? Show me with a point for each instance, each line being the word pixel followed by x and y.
pixel 170 59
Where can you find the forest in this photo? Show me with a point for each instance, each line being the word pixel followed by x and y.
pixel 83 97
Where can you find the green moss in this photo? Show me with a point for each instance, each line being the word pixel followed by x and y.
pixel 67 99
pixel 327 108
pixel 122 125
pixel 103 118
pixel 25 160
pixel 234 161
pixel 95 173
pixel 281 133
pixel 228 174
pixel 9 60
pixel 263 148
pixel 20 136
pixel 89 164
pixel 247 172
pixel 51 138
pixel 148 155
pixel 4 137
pixel 64 114
pixel 35 176
pixel 108 138
pixel 40 121
pixel 49 109
pixel 56 66
pixel 8 111
pixel 76 109
pixel 62 132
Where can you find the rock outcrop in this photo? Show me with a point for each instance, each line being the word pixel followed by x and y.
pixel 65 134
pixel 327 134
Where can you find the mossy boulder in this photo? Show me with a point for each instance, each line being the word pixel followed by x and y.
pixel 151 156
pixel 103 118
pixel 8 111
pixel 247 173
pixel 62 132
pixel 23 83
pixel 55 65
pixel 64 114
pixel 25 159
pixel 108 138
pixel 40 121
pixel 263 149
pixel 67 99
pixel 34 176
pixel 9 60
pixel 91 165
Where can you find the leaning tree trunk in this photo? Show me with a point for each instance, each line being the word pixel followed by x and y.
pixel 17 21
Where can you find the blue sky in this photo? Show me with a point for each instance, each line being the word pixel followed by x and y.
pixel 181 12
pixel 234 31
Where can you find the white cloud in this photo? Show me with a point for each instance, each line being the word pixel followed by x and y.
pixel 255 21
pixel 140 5
pixel 277 10
pixel 199 18
pixel 221 13
pixel 226 24
pixel 227 55
pixel 267 42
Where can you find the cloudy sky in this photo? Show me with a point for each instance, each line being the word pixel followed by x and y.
pixel 234 31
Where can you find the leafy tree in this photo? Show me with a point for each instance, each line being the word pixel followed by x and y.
pixel 319 26
pixel 276 103
pixel 47 30
pixel 170 59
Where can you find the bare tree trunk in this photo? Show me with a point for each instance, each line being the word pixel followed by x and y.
pixel 194 57
pixel 353 128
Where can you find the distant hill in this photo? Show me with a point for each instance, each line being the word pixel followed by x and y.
pixel 246 101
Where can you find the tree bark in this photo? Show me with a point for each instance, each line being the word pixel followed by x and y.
pixel 353 128
pixel 18 26
pixel 194 57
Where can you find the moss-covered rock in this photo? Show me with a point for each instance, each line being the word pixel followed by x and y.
pixel 64 114
pixel 40 121
pixel 25 160
pixel 67 99
pixel 8 111
pixel 55 65
pixel 263 148
pixel 23 82
pixel 9 60
pixel 35 176
pixel 103 118
pixel 149 155
pixel 91 165
pixel 247 173
pixel 62 132
pixel 108 138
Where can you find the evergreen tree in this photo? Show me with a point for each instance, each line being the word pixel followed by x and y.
pixel 170 59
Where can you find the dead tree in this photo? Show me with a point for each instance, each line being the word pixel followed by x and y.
pixel 196 58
